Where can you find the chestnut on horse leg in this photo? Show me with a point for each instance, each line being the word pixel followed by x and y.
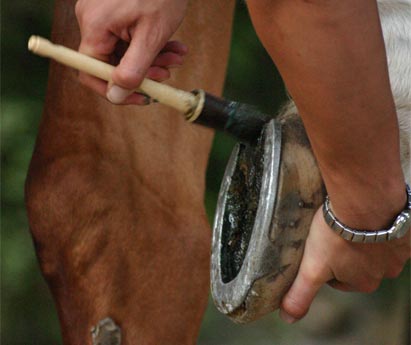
pixel 115 195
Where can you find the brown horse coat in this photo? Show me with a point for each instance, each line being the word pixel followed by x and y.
pixel 115 195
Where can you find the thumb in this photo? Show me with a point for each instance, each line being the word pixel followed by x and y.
pixel 310 278
pixel 140 54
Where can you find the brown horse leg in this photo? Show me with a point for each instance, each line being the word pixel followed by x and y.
pixel 115 196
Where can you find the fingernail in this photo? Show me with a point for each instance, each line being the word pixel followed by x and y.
pixel 117 94
pixel 286 317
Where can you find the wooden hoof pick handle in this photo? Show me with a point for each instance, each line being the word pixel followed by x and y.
pixel 240 120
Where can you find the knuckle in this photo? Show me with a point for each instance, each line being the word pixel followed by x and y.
pixel 127 78
pixel 78 8
pixel 167 74
pixel 155 33
pixel 312 276
pixel 369 285
pixel 89 21
pixel 81 14
pixel 159 74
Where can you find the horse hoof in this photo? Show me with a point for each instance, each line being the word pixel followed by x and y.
pixel 267 199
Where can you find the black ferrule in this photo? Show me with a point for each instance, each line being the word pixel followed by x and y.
pixel 242 121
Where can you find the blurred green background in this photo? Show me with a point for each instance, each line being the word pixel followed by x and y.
pixel 27 311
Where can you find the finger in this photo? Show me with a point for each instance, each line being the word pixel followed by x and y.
pixel 133 66
pixel 100 88
pixel 158 73
pixel 92 45
pixel 137 59
pixel 116 94
pixel 87 49
pixel 103 48
pixel 310 278
pixel 168 59
pixel 175 47
pixel 137 99
pixel 130 97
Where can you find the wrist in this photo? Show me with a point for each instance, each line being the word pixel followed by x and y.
pixel 398 228
pixel 363 203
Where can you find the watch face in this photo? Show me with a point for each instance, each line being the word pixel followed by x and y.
pixel 401 225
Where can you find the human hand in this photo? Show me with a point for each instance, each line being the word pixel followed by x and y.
pixel 133 34
pixel 344 265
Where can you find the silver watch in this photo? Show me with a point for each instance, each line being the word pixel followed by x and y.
pixel 397 230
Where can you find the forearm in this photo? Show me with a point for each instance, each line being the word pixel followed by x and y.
pixel 332 58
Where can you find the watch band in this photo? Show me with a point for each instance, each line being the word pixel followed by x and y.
pixel 398 229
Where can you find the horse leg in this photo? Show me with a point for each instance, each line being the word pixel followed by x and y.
pixel 114 195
